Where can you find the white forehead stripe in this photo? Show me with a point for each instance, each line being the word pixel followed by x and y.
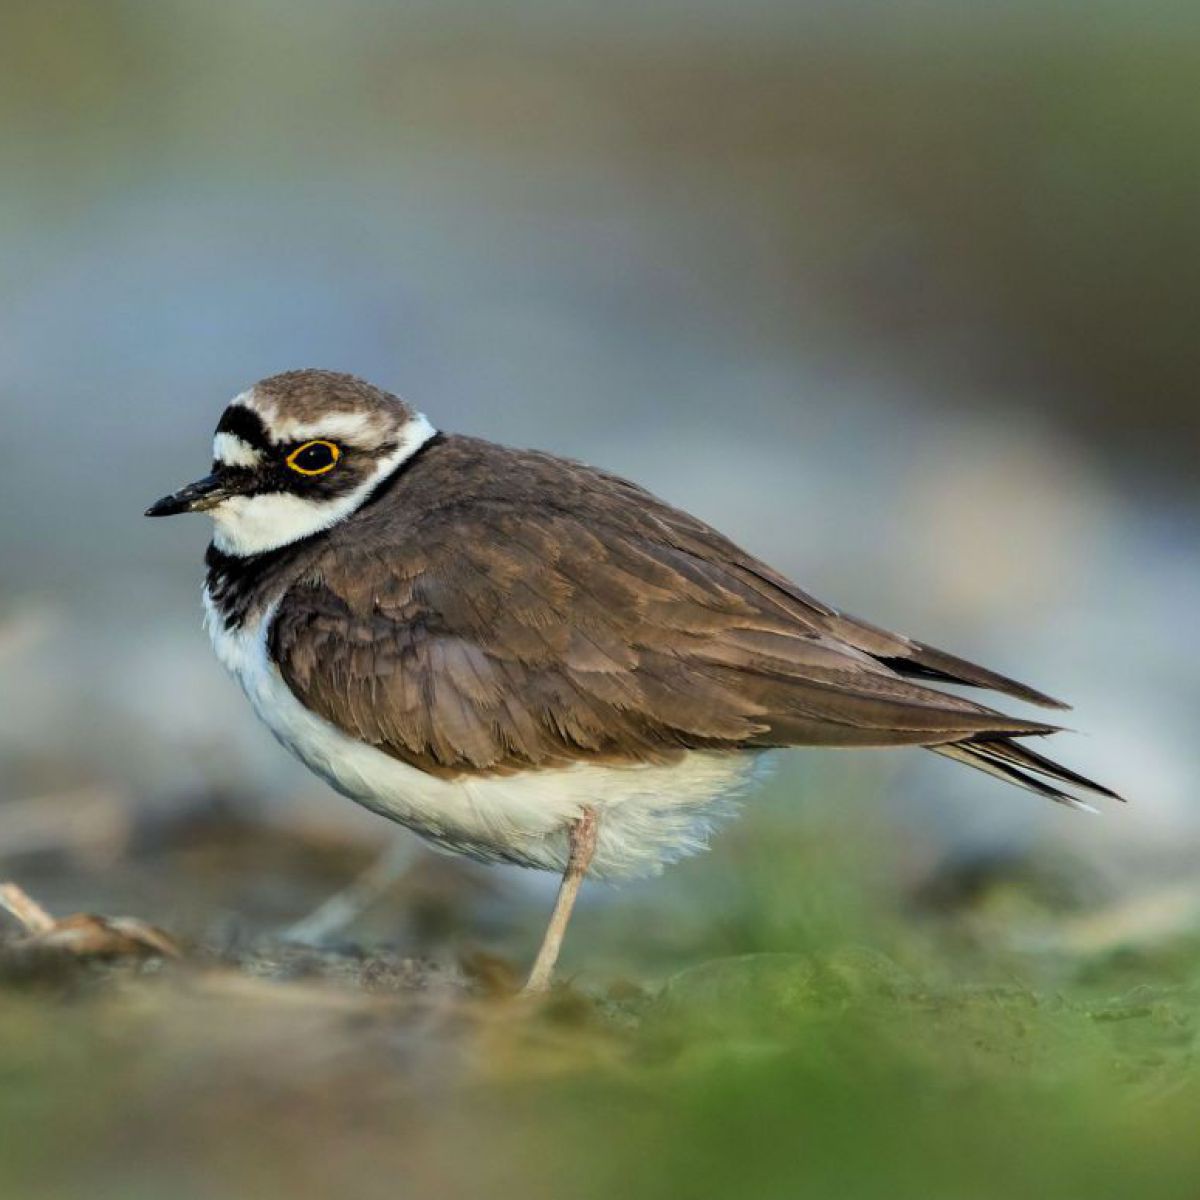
pixel 350 426
pixel 231 450
pixel 246 525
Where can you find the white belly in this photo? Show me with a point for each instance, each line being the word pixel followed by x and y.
pixel 649 815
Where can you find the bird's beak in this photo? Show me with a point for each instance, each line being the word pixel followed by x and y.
pixel 196 497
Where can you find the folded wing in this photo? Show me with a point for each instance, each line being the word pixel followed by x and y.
pixel 514 636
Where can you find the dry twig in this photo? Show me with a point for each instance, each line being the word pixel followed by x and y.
pixel 84 934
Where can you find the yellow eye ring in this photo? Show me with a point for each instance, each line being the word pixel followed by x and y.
pixel 335 453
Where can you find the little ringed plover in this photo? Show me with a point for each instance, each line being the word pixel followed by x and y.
pixel 528 660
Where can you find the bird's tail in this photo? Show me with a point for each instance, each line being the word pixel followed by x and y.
pixel 1010 760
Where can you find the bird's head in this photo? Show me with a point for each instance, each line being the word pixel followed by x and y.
pixel 294 455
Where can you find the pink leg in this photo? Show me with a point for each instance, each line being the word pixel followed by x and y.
pixel 583 847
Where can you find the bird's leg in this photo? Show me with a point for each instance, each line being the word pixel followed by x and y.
pixel 342 909
pixel 582 839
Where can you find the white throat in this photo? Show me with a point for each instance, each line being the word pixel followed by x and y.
pixel 246 525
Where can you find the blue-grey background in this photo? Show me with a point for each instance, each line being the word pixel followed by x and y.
pixel 901 297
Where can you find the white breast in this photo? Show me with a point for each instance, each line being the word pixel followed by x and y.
pixel 649 815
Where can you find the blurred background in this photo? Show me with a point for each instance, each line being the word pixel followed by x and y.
pixel 901 297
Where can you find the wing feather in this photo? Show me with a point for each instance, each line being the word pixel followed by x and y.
pixel 574 617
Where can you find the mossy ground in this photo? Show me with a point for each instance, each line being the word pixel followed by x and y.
pixel 765 1023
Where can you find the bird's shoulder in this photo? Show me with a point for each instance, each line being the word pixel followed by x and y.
pixel 476 516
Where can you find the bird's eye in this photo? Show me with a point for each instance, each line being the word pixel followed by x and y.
pixel 314 458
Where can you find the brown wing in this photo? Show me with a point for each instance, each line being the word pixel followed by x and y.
pixel 503 634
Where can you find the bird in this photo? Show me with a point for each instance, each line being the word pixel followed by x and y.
pixel 529 660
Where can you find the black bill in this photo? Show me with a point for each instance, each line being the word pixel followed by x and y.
pixel 196 497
